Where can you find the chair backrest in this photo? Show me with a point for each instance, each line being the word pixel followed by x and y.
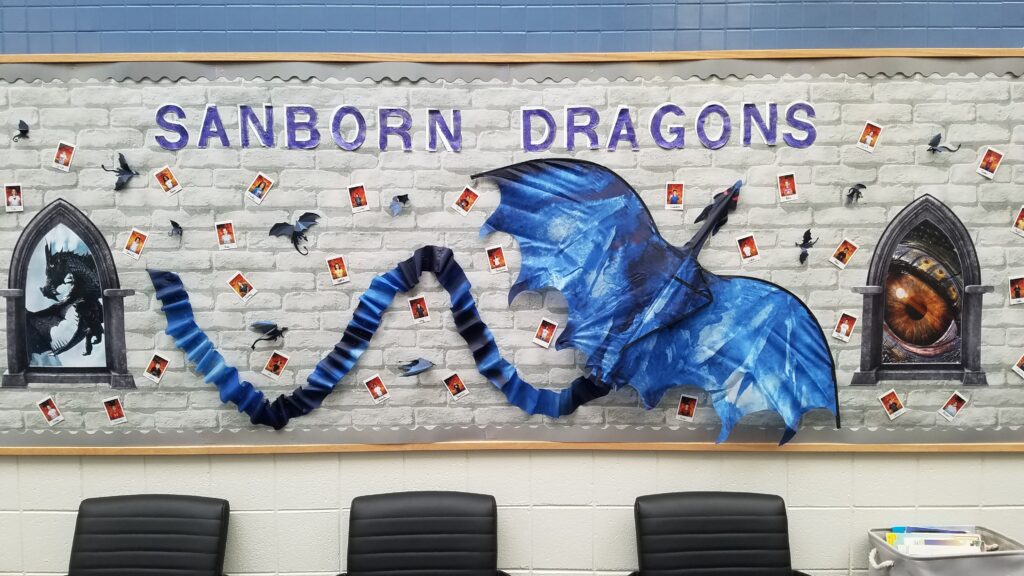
pixel 150 534
pixel 423 533
pixel 712 534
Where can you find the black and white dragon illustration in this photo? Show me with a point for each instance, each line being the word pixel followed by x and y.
pixel 77 313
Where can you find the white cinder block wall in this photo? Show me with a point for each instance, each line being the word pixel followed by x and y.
pixel 561 513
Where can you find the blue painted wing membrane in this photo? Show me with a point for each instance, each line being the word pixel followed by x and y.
pixel 754 348
pixel 585 232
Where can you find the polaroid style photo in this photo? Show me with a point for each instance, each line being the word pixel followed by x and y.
pixel 63 155
pixel 1018 223
pixel 674 196
pixel 990 161
pixel 892 404
pixel 748 249
pixel 156 368
pixel 226 239
pixel 787 187
pixel 115 410
pixel 869 137
pixel 338 269
pixel 687 408
pixel 51 413
pixel 378 391
pixel 953 406
pixel 241 286
pixel 464 203
pixel 844 253
pixel 136 242
pixel 844 327
pixel 545 333
pixel 357 198
pixel 259 188
pixel 1018 368
pixel 419 310
pixel 14 201
pixel 275 365
pixel 1016 289
pixel 496 259
pixel 455 386
pixel 168 183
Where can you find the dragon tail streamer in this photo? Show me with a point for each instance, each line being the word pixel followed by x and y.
pixel 366 319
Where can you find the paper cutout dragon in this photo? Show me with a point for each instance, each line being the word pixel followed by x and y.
pixel 644 312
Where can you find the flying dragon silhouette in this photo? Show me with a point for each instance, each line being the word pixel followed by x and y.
pixel 805 245
pixel 296 232
pixel 123 170
pixel 643 312
pixel 934 146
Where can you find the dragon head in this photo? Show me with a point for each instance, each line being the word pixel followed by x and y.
pixel 60 279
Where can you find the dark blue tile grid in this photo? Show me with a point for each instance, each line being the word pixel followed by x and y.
pixel 41 26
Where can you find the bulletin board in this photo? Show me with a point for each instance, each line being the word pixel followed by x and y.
pixel 219 253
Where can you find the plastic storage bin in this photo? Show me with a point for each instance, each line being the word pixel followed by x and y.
pixel 1004 557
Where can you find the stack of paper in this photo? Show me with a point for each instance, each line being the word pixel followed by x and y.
pixel 935 541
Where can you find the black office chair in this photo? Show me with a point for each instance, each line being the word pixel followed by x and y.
pixel 150 534
pixel 712 534
pixel 423 533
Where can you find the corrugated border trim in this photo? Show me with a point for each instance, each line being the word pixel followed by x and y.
pixel 542 72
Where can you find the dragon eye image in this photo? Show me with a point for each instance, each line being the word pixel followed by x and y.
pixel 922 293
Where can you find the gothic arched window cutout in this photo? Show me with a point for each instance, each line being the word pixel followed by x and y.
pixel 922 301
pixel 65 311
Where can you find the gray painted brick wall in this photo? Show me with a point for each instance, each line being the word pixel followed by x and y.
pixel 104 118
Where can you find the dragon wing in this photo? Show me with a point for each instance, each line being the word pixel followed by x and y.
pixel 263 326
pixel 934 142
pixel 583 230
pixel 282 229
pixel 306 221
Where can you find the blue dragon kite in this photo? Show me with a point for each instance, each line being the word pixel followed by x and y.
pixel 644 312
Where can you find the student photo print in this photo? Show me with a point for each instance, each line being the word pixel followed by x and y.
pixel 496 259
pixel 892 404
pixel 419 310
pixel 156 368
pixel 545 333
pixel 787 187
pixel 466 200
pixel 14 200
pixel 686 410
pixel 989 163
pixel 135 243
pixel 357 198
pixel 869 137
pixel 1018 367
pixel 455 386
pixel 168 183
pixel 63 155
pixel 747 246
pixel 114 410
pixel 844 327
pixel 1016 290
pixel 259 188
pixel 275 365
pixel 241 286
pixel 225 231
pixel 674 196
pixel 338 270
pixel 953 406
pixel 843 254
pixel 1018 223
pixel 51 413
pixel 378 391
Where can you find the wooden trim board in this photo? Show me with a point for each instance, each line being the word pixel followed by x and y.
pixel 512 58
pixel 809 448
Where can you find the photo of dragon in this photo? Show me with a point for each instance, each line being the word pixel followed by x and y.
pixel 64 303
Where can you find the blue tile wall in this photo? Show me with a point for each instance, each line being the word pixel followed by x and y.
pixel 40 26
